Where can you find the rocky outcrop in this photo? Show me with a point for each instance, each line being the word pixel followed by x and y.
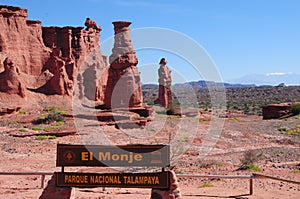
pixel 10 81
pixel 21 40
pixel 123 86
pixel 92 78
pixel 83 61
pixel 58 60
pixel 165 82
pixel 92 75
pixel 59 83
pixel 75 43
pixel 276 111
pixel 173 192
pixel 91 24
pixel 4 111
pixel 48 58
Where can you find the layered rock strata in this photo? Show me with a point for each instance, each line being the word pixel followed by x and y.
pixel 21 40
pixel 276 111
pixel 80 50
pixel 56 60
pixel 51 59
pixel 123 86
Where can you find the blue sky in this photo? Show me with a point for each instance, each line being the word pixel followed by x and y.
pixel 241 36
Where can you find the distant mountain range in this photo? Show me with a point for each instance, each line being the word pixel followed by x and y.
pixel 205 84
pixel 200 84
pixel 269 79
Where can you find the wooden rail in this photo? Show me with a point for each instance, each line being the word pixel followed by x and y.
pixel 250 177
pixel 258 175
pixel 214 176
pixel 42 174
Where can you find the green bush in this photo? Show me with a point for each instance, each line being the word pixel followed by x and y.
pixel 41 137
pixel 55 109
pixel 295 131
pixel 206 185
pixel 51 117
pixel 45 137
pixel 282 129
pixel 60 122
pixel 22 112
pixel 36 128
pixel 51 128
pixel 296 171
pixel 248 160
pixel 251 167
pixel 184 139
pixel 52 137
pixel 249 157
pixel 14 123
pixel 295 109
pixel 55 127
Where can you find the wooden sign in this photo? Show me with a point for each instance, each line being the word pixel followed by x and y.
pixel 122 180
pixel 113 156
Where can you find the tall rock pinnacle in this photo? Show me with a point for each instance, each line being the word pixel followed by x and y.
pixel 123 86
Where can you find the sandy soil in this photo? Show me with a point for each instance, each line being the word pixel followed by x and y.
pixel 279 154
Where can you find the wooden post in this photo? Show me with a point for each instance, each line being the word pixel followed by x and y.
pixel 251 186
pixel 42 181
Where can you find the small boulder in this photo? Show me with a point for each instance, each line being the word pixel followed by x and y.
pixel 10 81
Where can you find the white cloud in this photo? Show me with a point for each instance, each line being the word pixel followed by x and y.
pixel 277 74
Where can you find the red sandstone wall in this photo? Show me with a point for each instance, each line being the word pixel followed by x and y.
pixel 29 46
pixel 22 40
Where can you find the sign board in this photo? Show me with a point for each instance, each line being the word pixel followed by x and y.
pixel 122 180
pixel 113 156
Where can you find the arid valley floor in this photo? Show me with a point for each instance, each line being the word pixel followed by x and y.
pixel 28 147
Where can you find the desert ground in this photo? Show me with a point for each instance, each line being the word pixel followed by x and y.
pixel 30 147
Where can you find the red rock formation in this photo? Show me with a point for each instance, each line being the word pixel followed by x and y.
pixel 276 111
pixel 172 193
pixel 4 111
pixel 21 40
pixel 10 81
pixel 80 50
pixel 64 55
pixel 92 78
pixel 165 82
pixel 91 24
pixel 59 83
pixel 123 85
pixel 72 44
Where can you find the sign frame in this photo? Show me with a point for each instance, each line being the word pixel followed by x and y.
pixel 113 155
pixel 160 180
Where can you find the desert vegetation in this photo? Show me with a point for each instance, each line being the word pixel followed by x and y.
pixel 249 159
pixel 295 108
pixel 246 99
pixel 54 114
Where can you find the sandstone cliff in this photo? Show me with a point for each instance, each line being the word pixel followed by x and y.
pixel 21 40
pixel 50 60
